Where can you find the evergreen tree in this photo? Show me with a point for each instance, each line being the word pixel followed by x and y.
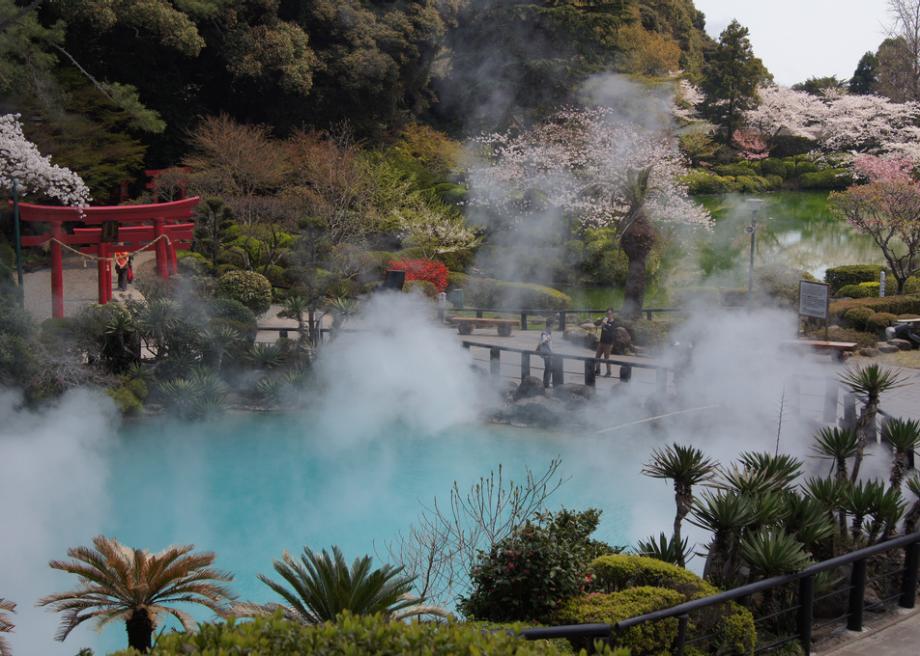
pixel 730 79
pixel 865 78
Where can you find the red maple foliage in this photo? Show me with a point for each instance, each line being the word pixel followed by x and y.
pixel 431 270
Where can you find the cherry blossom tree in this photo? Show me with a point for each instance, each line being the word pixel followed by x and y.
pixel 34 174
pixel 887 209
pixel 588 166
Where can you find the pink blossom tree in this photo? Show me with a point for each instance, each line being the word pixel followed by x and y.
pixel 33 173
pixel 588 166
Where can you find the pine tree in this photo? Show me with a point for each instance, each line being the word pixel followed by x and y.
pixel 865 78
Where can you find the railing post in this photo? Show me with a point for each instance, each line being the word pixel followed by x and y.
pixel 558 370
pixel 625 373
pixel 857 595
pixel 479 314
pixel 523 321
pixel 525 365
pixel 681 638
pixel 562 321
pixel 849 411
pixel 648 315
pixel 909 579
pixel 466 345
pixel 806 612
pixel 495 362
pixel 590 376
pixel 831 390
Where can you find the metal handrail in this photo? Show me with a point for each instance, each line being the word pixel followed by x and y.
pixel 858 558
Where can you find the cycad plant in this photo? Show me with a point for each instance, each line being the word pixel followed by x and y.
pixel 725 515
pixel 829 493
pixel 136 586
pixel 295 306
pixel 6 624
pixel 913 515
pixel 903 435
pixel 664 548
pixel 686 466
pixel 807 520
pixel 780 470
pixel 887 512
pixel 773 552
pixel 860 500
pixel 219 342
pixel 869 382
pixel 837 445
pixel 319 587
pixel 198 395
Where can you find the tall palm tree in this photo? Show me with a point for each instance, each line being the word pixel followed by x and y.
pixel 686 466
pixel 136 586
pixel 904 437
pixel 869 382
pixel 838 445
pixel 6 625
pixel 321 586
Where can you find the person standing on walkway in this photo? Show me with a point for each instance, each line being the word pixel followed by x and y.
pixel 605 345
pixel 545 348
pixel 121 268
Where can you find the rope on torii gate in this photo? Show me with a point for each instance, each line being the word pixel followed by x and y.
pixel 96 258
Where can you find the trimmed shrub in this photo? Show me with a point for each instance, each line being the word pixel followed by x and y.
pixel 619 571
pixel 192 263
pixel 852 274
pixel 234 311
pixel 704 182
pixel 610 608
pixel 423 287
pixel 488 292
pixel 350 636
pixel 735 170
pixel 906 304
pixel 248 287
pixel 854 291
pixel 831 179
pixel 912 285
pixel 881 320
pixel 773 167
pixel 858 317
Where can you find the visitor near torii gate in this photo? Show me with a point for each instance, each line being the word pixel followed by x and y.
pixel 124 270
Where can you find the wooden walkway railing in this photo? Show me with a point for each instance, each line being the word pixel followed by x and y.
pixel 561 315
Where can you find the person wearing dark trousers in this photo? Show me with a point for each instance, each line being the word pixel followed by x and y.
pixel 605 345
pixel 121 268
pixel 545 348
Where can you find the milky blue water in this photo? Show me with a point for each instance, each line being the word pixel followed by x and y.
pixel 249 487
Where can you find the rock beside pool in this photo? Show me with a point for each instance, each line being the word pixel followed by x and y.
pixel 529 388
pixel 580 337
pixel 573 394
pixel 541 412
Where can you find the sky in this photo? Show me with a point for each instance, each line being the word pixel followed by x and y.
pixel 798 39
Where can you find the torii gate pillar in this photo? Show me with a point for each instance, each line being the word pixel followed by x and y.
pixel 57 273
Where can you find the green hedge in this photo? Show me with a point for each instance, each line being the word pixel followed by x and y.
pixel 852 274
pixel 350 636
pixel 855 291
pixel 491 293
pixel 830 179
pixel 905 304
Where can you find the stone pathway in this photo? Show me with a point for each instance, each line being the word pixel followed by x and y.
pixel 899 637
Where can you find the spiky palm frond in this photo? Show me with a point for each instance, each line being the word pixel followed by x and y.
pixel 902 434
pixel 829 492
pixel 116 581
pixel 6 624
pixel 200 394
pixel 321 586
pixel 835 444
pixel 913 484
pixel 782 470
pixel 722 511
pixel 751 482
pixel 664 548
pixel 872 380
pixel 686 465
pixel 861 500
pixel 773 552
pixel 807 519
pixel 769 508
pixel 265 356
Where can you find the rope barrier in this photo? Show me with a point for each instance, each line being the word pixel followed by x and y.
pixel 96 258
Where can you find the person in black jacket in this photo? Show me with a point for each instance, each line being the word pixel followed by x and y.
pixel 605 345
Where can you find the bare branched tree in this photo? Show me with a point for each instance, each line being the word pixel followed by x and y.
pixel 906 32
pixel 440 549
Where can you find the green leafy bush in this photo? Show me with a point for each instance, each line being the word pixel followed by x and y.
pixel 248 287
pixel 881 320
pixel 852 274
pixel 858 317
pixel 704 182
pixel 127 403
pixel 773 167
pixel 905 304
pixel 734 170
pixel 610 608
pixel 423 287
pixel 239 316
pixel 854 291
pixel 616 572
pixel 912 285
pixel 192 263
pixel 528 574
pixel 350 636
pixel 831 179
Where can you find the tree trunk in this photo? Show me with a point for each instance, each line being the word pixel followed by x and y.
pixel 636 243
pixel 865 430
pixel 684 500
pixel 140 630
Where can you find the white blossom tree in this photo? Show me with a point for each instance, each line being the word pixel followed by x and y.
pixel 586 165
pixel 34 174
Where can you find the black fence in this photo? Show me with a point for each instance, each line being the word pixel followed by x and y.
pixel 824 595
pixel 561 316
pixel 587 365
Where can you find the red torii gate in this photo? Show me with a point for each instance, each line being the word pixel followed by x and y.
pixel 155 226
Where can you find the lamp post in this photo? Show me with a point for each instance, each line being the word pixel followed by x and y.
pixel 17 237
pixel 755 205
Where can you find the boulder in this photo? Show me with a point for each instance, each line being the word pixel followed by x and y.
pixel 885 347
pixel 588 327
pixel 902 344
pixel 581 337
pixel 536 412
pixel 869 352
pixel 573 394
pixel 622 341
pixel 529 388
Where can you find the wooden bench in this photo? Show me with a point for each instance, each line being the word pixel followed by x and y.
pixel 840 349
pixel 465 325
pixel 901 322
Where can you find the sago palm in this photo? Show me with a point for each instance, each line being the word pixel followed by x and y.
pixel 869 382
pixel 780 470
pixel 904 437
pixel 136 586
pixel 807 520
pixel 888 511
pixel 725 515
pixel 6 624
pixel 773 552
pixel 913 515
pixel 829 493
pixel 861 500
pixel 837 445
pixel 319 587
pixel 686 466
pixel 664 548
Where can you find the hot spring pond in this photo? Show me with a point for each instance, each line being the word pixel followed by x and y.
pixel 249 487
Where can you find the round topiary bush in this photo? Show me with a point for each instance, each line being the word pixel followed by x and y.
pixel 854 291
pixel 858 317
pixel 248 287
